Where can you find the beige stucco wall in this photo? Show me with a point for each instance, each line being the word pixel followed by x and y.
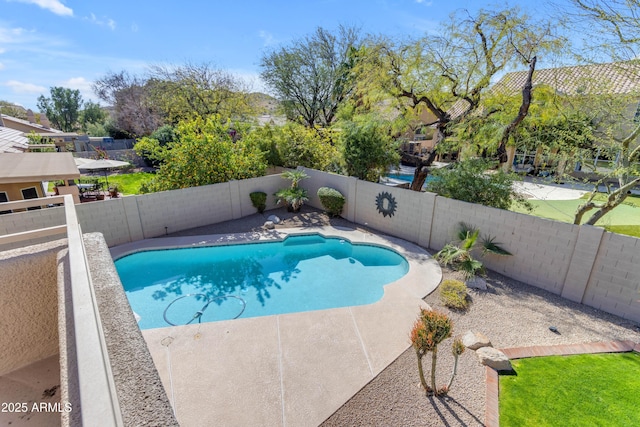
pixel 28 305
pixel 14 192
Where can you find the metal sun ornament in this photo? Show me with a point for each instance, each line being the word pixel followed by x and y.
pixel 386 204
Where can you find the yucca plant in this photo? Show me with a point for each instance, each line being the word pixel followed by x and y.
pixel 459 255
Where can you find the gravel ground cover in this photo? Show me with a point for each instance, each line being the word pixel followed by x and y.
pixel 510 313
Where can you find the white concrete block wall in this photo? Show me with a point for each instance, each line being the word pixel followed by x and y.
pixel 31 220
pixel 344 184
pixel 406 221
pixel 183 209
pixel 582 261
pixel 614 285
pixel 107 217
pixel 268 184
pixel 541 248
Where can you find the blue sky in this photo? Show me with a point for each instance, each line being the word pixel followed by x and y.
pixel 45 43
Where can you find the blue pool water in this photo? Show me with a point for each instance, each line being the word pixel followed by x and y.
pixel 301 273
pixel 408 177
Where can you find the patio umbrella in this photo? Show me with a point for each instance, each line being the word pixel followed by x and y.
pixel 102 165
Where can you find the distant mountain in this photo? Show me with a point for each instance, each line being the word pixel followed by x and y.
pixel 267 104
pixel 13 110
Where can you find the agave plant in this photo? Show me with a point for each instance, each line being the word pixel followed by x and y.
pixel 459 255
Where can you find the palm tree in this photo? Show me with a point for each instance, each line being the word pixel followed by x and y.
pixel 459 255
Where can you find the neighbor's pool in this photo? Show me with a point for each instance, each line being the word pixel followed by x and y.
pixel 300 273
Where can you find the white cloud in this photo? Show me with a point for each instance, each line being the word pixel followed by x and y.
pixel 267 38
pixel 54 6
pixel 2 50
pixel 134 28
pixel 426 3
pixel 11 35
pixel 1 66
pixel 21 87
pixel 104 22
pixel 82 84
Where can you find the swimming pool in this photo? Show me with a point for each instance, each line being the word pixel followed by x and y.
pixel 299 273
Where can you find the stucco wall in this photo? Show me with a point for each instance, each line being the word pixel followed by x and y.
pixel 28 305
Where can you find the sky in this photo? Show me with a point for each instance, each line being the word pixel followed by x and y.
pixel 72 43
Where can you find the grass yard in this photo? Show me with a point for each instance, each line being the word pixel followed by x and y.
pixel 129 183
pixel 582 390
pixel 624 219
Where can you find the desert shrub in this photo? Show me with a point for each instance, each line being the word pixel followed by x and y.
pixel 332 200
pixel 453 294
pixel 259 200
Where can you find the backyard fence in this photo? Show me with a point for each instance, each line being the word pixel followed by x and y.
pixel 582 263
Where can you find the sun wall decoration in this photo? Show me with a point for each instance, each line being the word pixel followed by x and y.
pixel 386 204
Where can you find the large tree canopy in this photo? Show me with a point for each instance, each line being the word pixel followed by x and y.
pixel 130 96
pixel 186 91
pixel 312 76
pixel 62 108
pixel 450 72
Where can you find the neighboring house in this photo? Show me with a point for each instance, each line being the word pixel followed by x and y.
pixel 17 140
pixel 22 175
pixel 619 78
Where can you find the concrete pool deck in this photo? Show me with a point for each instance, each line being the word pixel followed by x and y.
pixel 290 369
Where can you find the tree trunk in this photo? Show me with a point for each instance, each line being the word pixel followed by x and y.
pixel 422 168
pixel 522 113
pixel 455 370
pixel 421 373
pixel 434 356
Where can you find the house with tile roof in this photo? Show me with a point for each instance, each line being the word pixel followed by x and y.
pixel 618 78
pixel 14 131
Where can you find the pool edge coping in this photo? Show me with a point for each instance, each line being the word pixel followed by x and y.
pixel 492 378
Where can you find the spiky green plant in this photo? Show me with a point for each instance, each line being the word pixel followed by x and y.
pixel 459 255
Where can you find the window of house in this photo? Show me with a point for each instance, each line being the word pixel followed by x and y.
pixel 30 193
pixel 4 198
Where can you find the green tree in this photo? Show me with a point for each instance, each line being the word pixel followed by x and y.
pixel 293 145
pixel 468 181
pixel 368 149
pixel 183 92
pixel 92 114
pixel 614 32
pixel 62 108
pixel 450 72
pixel 204 153
pixel 312 76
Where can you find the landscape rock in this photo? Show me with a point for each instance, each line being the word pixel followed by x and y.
pixel 494 358
pixel 274 218
pixel 269 225
pixel 477 283
pixel 475 340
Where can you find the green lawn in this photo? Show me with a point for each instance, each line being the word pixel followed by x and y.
pixel 624 219
pixel 129 183
pixel 583 390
